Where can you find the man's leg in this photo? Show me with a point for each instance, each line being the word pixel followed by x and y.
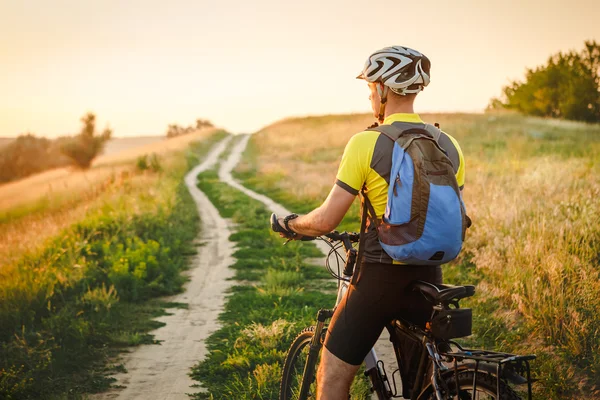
pixel 334 377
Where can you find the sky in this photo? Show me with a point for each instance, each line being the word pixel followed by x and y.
pixel 141 65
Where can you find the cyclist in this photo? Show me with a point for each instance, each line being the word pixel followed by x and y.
pixel 377 295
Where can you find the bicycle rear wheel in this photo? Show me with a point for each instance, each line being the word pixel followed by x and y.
pixel 485 389
pixel 296 362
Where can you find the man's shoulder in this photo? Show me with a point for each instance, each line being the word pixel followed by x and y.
pixel 364 138
pixel 365 135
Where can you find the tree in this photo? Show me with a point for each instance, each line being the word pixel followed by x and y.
pixel 203 123
pixel 83 148
pixel 174 130
pixel 567 87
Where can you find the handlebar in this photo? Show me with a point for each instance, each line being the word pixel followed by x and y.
pixel 354 237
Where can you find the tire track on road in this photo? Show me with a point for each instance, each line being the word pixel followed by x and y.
pixel 160 372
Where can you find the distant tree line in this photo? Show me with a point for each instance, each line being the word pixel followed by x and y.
pixel 28 154
pixel 175 130
pixel 568 87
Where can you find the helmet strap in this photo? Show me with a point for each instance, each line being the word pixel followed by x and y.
pixel 383 95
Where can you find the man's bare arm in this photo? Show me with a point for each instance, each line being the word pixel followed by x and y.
pixel 325 218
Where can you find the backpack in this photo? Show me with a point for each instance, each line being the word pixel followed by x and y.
pixel 425 218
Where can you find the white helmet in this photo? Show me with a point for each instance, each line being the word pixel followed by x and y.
pixel 403 70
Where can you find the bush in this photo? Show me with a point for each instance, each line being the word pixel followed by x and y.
pixel 567 87
pixel 28 155
pixel 151 162
pixel 83 148
pixel 142 162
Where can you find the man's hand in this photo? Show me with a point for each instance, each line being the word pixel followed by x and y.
pixel 284 235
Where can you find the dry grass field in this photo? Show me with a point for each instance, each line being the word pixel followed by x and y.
pixel 122 150
pixel 38 207
pixel 119 144
pixel 532 190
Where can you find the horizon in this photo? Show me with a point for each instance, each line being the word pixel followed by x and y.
pixel 141 135
pixel 141 66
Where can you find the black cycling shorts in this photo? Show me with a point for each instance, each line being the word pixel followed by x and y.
pixel 377 296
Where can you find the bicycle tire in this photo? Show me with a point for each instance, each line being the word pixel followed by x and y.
pixel 486 384
pixel 293 368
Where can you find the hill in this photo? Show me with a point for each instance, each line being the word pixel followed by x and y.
pixel 54 199
pixel 532 189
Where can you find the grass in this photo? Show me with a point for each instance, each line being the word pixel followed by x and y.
pixel 532 190
pixel 265 313
pixel 92 289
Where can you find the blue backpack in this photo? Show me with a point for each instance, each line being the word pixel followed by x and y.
pixel 425 218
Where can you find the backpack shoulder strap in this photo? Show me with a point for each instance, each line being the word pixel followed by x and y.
pixel 434 131
pixel 367 212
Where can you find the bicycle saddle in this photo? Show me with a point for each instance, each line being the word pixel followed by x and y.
pixel 437 293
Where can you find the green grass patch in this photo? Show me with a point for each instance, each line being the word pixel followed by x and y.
pixel 264 315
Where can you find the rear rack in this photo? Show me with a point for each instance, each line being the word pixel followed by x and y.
pixel 512 365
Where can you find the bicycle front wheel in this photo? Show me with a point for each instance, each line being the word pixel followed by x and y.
pixel 296 363
pixel 486 388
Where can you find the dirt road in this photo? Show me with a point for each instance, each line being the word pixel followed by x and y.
pixel 160 372
pixel 383 347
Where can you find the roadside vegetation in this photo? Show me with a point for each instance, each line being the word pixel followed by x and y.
pixel 532 190
pixel 277 295
pixel 70 304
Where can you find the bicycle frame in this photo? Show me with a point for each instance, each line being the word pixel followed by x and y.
pixel 445 364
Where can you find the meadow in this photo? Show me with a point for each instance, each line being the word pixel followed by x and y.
pixel 532 190
pixel 96 256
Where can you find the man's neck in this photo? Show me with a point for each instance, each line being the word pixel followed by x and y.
pixel 395 107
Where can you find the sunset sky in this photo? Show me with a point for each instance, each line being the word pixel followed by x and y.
pixel 140 65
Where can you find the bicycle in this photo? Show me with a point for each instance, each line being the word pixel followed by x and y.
pixel 439 369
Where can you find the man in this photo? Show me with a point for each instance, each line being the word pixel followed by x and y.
pixel 395 75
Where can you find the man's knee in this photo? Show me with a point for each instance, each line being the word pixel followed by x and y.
pixel 334 377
